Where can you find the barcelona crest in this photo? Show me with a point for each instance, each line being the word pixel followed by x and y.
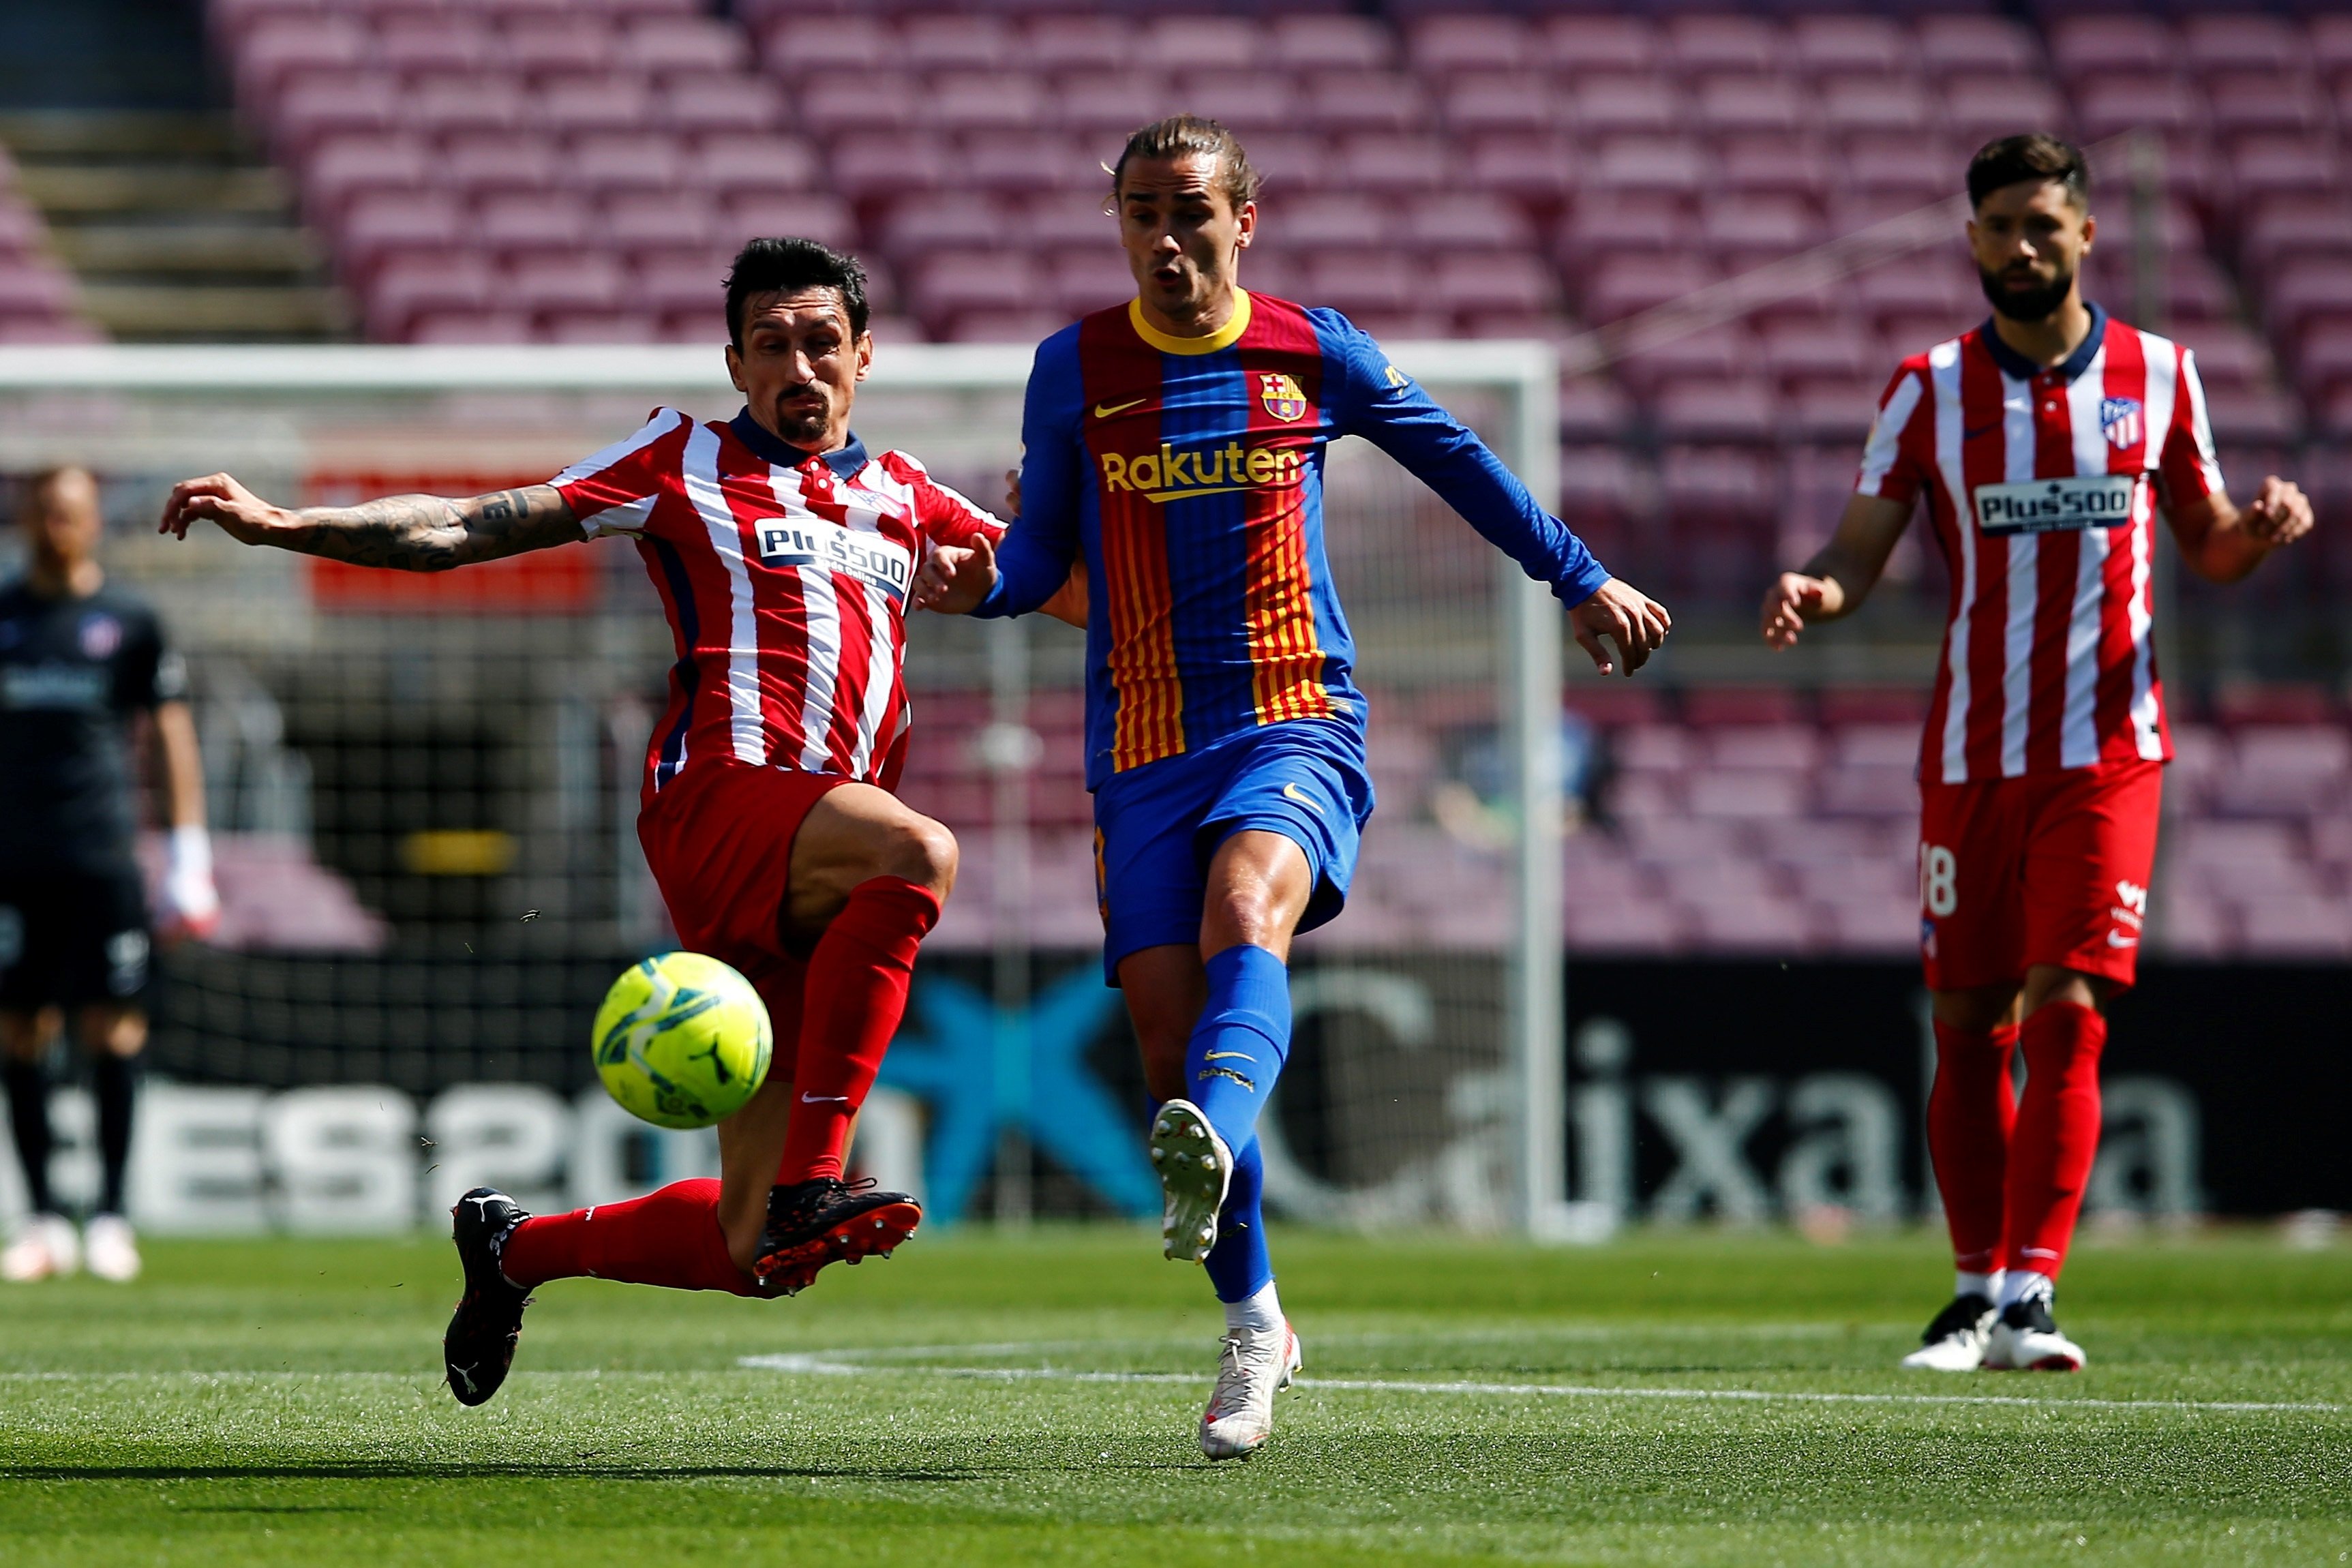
pixel 1282 397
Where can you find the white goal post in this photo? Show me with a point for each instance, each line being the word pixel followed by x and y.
pixel 164 412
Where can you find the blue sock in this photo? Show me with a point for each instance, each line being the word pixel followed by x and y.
pixel 1238 1265
pixel 1243 1039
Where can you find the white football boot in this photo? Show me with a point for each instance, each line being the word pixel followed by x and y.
pixel 2026 1340
pixel 1253 1366
pixel 109 1248
pixel 1195 1170
pixel 46 1248
pixel 1956 1340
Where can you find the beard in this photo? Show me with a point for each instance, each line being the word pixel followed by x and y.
pixel 2030 304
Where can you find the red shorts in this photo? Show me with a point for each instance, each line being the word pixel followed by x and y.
pixel 719 841
pixel 2048 868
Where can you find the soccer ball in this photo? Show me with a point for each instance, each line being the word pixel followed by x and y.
pixel 682 1040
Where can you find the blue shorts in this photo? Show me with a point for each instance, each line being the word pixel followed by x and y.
pixel 1157 827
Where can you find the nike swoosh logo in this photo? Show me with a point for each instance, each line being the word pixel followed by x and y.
pixel 1967 434
pixel 1105 410
pixel 824 1099
pixel 1227 1056
pixel 1292 791
pixel 2114 939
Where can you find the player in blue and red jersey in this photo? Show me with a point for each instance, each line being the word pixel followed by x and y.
pixel 1174 446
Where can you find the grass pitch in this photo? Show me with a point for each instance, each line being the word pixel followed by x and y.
pixel 1688 1399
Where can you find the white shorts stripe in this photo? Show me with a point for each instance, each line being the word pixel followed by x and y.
pixel 746 727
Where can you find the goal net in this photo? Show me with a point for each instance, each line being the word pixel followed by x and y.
pixel 424 790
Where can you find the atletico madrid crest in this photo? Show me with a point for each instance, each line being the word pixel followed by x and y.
pixel 2120 418
pixel 1282 397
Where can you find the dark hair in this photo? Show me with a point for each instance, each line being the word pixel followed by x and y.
pixel 1183 134
pixel 787 267
pixel 2038 156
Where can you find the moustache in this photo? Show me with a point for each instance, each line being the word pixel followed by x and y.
pixel 2021 297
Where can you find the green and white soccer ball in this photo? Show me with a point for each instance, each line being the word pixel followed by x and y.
pixel 682 1040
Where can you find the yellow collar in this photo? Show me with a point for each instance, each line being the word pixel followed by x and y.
pixel 1224 337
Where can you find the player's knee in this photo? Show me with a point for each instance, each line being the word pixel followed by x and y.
pixel 924 852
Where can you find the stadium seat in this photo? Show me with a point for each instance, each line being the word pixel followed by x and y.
pixel 1518 101
pixel 867 164
pixel 480 164
pixel 280 49
pixel 1445 45
pixel 1317 42
pixel 2087 46
pixel 737 165
pixel 346 167
pixel 1664 164
pixel 417 43
pixel 1874 107
pixel 1745 410
pixel 1978 109
pixel 948 40
pixel 1359 282
pixel 1538 170
pixel 799 48
pixel 542 48
pixel 551 282
pixel 823 218
pixel 30 288
pixel 376 226
pixel 1614 105
pixel 1204 43
pixel 1842 45
pixel 719 103
pixel 1628 284
pixel 614 102
pixel 313 108
pixel 1996 45
pixel 414 284
pixel 543 221
pixel 1580 43
pixel 1076 43
pixel 1721 42
pixel 884 101
pixel 1719 354
pixel 1340 102
pixel 2297 928
pixel 945 286
pixel 648 219
pixel 2243 42
pixel 1751 105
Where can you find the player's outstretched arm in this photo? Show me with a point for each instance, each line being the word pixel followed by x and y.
pixel 1841 573
pixel 2223 544
pixel 406 533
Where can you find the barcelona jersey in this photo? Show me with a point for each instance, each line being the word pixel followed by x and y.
pixel 1190 473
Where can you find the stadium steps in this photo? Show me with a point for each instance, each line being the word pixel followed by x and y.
pixel 176 227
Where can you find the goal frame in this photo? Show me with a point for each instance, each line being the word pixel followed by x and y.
pixel 1522 375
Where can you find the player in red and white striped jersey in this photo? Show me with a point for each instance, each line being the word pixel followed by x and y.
pixel 782 552
pixel 2045 443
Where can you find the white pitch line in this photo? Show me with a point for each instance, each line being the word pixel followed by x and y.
pixel 832 1365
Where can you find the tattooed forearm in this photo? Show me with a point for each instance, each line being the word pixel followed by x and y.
pixel 430 534
pixel 407 533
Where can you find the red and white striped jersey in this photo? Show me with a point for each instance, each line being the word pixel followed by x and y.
pixel 785 575
pixel 2041 486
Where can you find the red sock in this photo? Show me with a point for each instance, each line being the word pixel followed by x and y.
pixel 667 1238
pixel 857 980
pixel 2057 1133
pixel 1969 1113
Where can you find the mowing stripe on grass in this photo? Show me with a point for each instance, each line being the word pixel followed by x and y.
pixel 832 1363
